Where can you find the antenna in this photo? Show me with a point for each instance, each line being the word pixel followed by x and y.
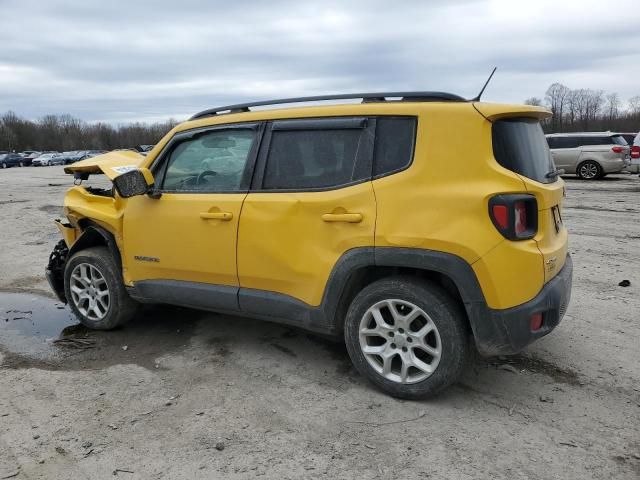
pixel 477 99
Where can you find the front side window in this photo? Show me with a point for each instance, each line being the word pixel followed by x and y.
pixel 311 159
pixel 214 161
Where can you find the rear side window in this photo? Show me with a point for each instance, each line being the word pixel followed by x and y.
pixel 619 140
pixel 302 159
pixel 520 146
pixel 394 145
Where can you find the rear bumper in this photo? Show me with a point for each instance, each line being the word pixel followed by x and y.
pixel 614 165
pixel 503 332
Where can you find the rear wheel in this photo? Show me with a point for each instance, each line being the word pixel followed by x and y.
pixel 589 170
pixel 407 336
pixel 94 289
pixel 21 163
pixel 4 165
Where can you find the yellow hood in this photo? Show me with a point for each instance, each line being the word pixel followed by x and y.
pixel 111 164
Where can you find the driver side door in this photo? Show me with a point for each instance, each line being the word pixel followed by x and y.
pixel 186 238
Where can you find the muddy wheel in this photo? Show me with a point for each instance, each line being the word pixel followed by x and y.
pixel 407 336
pixel 94 289
pixel 589 170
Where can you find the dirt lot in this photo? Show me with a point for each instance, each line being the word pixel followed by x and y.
pixel 182 394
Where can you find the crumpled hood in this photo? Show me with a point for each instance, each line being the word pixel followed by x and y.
pixel 111 164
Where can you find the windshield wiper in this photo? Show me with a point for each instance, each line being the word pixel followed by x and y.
pixel 555 173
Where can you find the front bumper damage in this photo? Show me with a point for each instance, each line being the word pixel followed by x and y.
pixel 55 269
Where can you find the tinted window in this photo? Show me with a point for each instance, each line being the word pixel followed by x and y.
pixel 303 159
pixel 393 150
pixel 212 162
pixel 520 146
pixel 595 140
pixel 570 142
pixel 619 140
pixel 553 142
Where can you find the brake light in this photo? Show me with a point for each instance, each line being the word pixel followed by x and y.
pixel 617 149
pixel 515 216
pixel 635 151
pixel 501 216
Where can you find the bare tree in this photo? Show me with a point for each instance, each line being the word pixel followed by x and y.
pixel 557 97
pixel 612 106
pixel 64 132
pixel 634 105
pixel 535 101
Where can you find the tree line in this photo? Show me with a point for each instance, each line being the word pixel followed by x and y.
pixel 65 132
pixel 584 109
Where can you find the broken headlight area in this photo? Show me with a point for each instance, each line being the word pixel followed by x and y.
pixel 55 269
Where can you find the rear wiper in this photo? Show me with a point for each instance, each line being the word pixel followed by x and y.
pixel 555 173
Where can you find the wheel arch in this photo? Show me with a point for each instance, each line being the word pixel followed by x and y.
pixel 357 269
pixel 94 235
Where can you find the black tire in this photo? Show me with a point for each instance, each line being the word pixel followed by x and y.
pixel 448 317
pixel 21 164
pixel 589 170
pixel 4 165
pixel 121 307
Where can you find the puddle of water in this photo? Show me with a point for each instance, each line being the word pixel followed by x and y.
pixel 30 324
pixel 33 315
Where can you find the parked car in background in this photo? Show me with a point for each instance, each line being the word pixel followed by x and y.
pixel 590 155
pixel 48 159
pixel 28 156
pixel 92 153
pixel 635 154
pixel 73 156
pixel 10 160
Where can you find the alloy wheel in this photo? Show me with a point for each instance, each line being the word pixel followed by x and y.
pixel 89 291
pixel 400 341
pixel 589 171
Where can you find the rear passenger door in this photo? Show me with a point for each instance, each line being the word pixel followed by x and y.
pixel 311 201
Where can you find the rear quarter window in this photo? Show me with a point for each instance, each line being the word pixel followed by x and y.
pixel 519 145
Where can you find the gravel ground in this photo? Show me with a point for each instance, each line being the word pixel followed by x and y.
pixel 183 394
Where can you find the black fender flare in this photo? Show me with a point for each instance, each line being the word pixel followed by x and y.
pixel 93 234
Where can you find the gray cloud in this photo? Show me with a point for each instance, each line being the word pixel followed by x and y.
pixel 129 60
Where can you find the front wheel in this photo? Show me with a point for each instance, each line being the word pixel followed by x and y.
pixel 21 164
pixel 4 165
pixel 407 336
pixel 94 289
pixel 589 170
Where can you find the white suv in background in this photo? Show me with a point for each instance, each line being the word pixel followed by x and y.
pixel 589 155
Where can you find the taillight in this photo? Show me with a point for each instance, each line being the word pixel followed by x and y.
pixel 635 151
pixel 515 216
pixel 617 149
pixel 520 211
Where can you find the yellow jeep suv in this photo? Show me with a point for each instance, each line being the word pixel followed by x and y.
pixel 410 224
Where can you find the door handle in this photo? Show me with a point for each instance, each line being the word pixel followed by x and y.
pixel 342 217
pixel 225 216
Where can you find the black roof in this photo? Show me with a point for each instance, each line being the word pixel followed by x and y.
pixel 366 98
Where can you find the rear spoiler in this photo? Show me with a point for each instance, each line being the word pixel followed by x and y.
pixel 496 111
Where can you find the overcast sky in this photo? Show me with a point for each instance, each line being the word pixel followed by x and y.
pixel 121 61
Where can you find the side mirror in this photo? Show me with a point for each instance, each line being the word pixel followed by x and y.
pixel 134 182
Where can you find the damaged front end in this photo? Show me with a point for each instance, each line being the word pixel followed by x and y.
pixel 94 214
pixel 55 269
